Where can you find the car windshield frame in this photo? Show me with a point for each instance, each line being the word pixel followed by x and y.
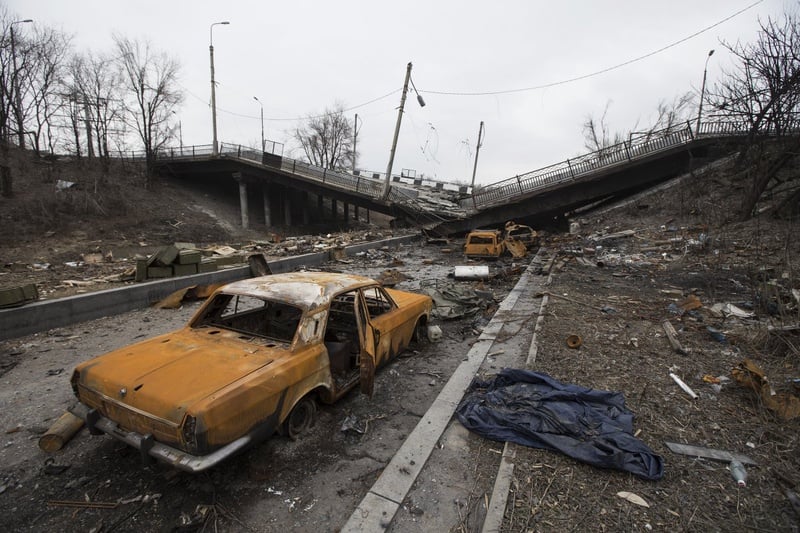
pixel 252 316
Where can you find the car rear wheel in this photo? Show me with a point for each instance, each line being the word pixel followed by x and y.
pixel 301 419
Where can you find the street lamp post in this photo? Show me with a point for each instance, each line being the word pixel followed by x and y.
pixel 477 150
pixel 702 93
pixel 214 147
pixel 263 142
pixel 388 185
pixel 180 132
pixel 15 85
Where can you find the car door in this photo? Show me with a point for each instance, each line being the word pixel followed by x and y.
pixel 380 336
pixel 368 341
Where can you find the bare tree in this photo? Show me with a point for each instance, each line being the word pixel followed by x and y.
pixel 150 81
pixel 49 50
pixel 762 92
pixel 596 133
pixel 97 86
pixel 327 139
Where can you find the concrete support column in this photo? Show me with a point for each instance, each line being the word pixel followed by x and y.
pixel 267 206
pixel 334 210
pixel 304 200
pixel 243 201
pixel 320 212
pixel 287 207
pixel 346 209
pixel 367 216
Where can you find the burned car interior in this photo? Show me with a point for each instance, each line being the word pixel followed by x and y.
pixel 251 316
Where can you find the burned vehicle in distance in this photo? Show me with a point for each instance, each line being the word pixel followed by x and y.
pixel 254 360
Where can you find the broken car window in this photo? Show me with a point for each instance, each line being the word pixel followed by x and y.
pixel 252 316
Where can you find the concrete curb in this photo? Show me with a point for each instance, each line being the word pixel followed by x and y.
pixel 49 314
pixel 493 521
pixel 384 498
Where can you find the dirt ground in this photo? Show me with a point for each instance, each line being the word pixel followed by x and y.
pixel 615 292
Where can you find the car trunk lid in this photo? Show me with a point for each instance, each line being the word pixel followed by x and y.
pixel 164 376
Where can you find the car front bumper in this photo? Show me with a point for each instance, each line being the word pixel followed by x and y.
pixel 148 447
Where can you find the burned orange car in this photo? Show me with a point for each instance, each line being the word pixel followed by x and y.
pixel 254 359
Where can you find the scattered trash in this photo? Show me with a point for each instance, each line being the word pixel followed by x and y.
pixel 574 341
pixel 83 504
pixel 749 375
pixel 738 473
pixel 351 423
pixel 391 277
pixel 708 453
pixel 672 336
pixel 633 498
pixel 434 333
pixel 728 309
pixel 717 335
pixel 688 390
pixel 690 303
pixel 187 294
pixel 471 272
pixel 53 469
pixel 196 519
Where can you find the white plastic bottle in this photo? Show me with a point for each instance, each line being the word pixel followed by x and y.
pixel 738 473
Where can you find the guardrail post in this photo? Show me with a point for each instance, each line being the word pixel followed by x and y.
pixel 358 186
pixel 572 172
pixel 627 152
pixel 689 127
pixel 294 164
pixel 324 172
pixel 519 182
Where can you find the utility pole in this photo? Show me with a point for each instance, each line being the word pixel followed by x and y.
pixel 355 137
pixel 477 149
pixel 388 185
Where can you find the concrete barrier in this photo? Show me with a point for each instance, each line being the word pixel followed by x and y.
pixel 48 314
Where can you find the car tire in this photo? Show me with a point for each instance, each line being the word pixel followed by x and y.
pixel 301 418
pixel 420 336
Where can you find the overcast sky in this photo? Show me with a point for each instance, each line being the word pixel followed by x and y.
pixel 301 56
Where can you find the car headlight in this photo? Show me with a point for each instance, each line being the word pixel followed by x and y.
pixel 73 381
pixel 190 431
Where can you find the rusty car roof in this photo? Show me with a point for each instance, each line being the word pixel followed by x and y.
pixel 306 290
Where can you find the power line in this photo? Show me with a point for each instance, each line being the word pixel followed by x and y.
pixel 597 73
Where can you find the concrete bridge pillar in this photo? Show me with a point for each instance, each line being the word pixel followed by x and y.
pixel 304 200
pixel 267 206
pixel 355 213
pixel 319 207
pixel 242 199
pixel 287 207
pixel 346 209
pixel 334 209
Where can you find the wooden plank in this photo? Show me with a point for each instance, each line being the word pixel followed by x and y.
pixel 708 453
pixel 672 336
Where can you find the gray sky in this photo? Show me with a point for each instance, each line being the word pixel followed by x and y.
pixel 301 56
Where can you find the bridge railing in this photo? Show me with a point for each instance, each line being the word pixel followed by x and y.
pixel 575 168
pixel 607 157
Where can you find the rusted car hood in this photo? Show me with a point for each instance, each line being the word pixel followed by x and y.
pixel 164 376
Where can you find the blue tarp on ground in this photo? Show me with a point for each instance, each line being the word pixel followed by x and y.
pixel 533 409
